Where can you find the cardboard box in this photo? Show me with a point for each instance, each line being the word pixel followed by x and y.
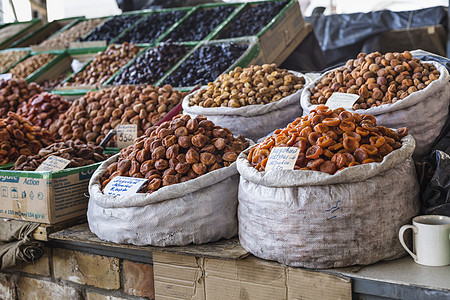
pixel 45 197
pixel 190 277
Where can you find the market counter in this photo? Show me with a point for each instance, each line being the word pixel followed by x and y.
pixel 78 265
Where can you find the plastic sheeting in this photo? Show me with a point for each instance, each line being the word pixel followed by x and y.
pixel 343 36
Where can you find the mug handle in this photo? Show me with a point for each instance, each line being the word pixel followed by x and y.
pixel 402 241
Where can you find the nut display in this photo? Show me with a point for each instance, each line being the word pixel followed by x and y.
pixel 105 64
pixel 377 79
pixel 205 64
pixel 150 27
pixel 31 64
pixel 248 86
pixel 19 137
pixel 92 116
pixel 198 25
pixel 330 140
pixel 72 34
pixel 111 28
pixel 152 64
pixel 10 30
pixel 78 153
pixel 252 20
pixel 9 58
pixel 50 84
pixel 177 151
pixel 13 92
pixel 43 109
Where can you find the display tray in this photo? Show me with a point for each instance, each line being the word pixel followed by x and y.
pixel 29 26
pixel 84 44
pixel 45 32
pixel 250 56
pixel 111 79
pixel 208 36
pixel 155 40
pixel 85 88
pixel 278 34
pixel 63 66
pixel 18 60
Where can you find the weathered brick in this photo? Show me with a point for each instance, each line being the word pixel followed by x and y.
pixel 7 286
pixel 32 289
pixel 95 296
pixel 96 270
pixel 38 267
pixel 138 279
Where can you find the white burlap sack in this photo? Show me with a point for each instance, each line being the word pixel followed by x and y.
pixel 316 220
pixel 423 112
pixel 252 121
pixel 197 211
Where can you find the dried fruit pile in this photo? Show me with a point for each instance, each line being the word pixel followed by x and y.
pixel 78 153
pixel 177 151
pixel 19 137
pixel 330 140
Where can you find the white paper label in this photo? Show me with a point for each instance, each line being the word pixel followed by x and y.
pixel 6 76
pixel 124 186
pixel 344 100
pixel 52 164
pixel 126 134
pixel 282 158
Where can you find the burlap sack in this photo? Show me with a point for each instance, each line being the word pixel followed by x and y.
pixel 316 220
pixel 197 211
pixel 252 121
pixel 423 112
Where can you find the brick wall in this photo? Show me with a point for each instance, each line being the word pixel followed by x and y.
pixel 69 274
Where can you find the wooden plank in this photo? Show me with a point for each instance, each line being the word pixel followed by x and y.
pixel 284 54
pixel 224 249
pixel 44 230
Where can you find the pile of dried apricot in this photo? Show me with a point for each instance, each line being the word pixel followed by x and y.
pixel 330 140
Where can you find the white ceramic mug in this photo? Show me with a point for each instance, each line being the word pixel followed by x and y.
pixel 431 240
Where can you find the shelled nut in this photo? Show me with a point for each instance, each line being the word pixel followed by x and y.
pixel 247 86
pixel 377 79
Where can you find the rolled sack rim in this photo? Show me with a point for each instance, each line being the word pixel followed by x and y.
pixel 249 110
pixel 409 101
pixel 295 178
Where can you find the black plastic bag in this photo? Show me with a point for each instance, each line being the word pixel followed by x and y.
pixel 342 36
pixel 434 178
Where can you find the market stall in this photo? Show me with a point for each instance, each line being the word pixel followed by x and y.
pixel 166 154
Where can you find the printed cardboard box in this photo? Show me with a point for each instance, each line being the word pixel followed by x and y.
pixel 45 197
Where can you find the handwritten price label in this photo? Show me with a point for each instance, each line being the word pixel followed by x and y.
pixel 126 134
pixel 282 158
pixel 344 100
pixel 52 164
pixel 121 186
pixel 6 76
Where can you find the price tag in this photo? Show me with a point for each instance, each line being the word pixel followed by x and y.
pixel 52 164
pixel 124 186
pixel 344 100
pixel 282 158
pixel 6 76
pixel 126 134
